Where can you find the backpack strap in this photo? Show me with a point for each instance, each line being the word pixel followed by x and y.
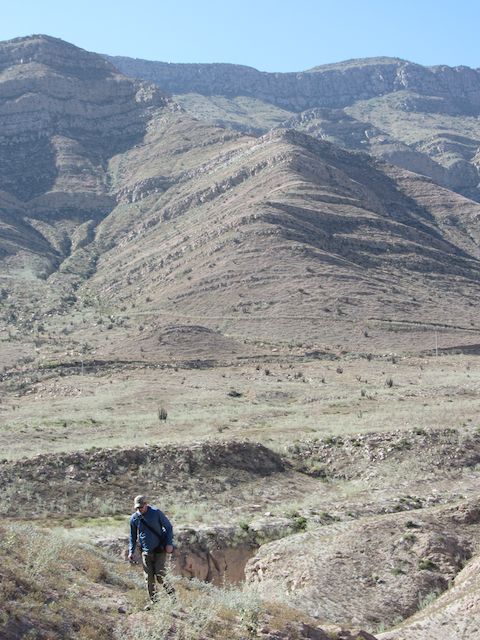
pixel 160 536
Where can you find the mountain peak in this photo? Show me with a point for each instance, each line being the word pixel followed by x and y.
pixel 54 53
pixel 361 62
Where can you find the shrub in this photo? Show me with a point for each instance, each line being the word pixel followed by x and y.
pixel 427 599
pixel 300 523
pixel 333 440
pixel 162 414
pixel 418 431
pixel 36 573
pixel 199 610
pixel 409 537
pixel 426 564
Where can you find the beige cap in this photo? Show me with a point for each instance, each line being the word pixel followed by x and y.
pixel 139 501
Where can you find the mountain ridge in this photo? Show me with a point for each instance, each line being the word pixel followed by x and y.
pixel 308 89
pixel 189 216
pixel 424 119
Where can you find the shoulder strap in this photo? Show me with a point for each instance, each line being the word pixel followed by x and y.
pixel 159 535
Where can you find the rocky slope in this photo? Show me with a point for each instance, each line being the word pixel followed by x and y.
pixel 63 113
pixel 84 480
pixel 271 226
pixel 455 615
pixel 372 572
pixel 422 118
pixel 138 203
pixel 333 85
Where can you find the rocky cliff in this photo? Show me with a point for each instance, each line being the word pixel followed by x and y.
pixel 333 85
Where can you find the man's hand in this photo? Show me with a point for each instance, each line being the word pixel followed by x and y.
pixel 169 548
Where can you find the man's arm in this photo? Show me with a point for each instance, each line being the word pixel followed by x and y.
pixel 133 538
pixel 167 525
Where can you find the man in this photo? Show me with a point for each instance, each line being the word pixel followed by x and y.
pixel 154 532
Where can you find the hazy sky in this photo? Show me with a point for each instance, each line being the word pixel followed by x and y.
pixel 271 35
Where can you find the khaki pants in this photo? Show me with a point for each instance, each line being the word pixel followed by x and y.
pixel 154 565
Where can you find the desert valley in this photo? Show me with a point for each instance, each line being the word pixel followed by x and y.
pixel 254 298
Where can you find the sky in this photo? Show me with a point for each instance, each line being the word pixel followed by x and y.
pixel 270 35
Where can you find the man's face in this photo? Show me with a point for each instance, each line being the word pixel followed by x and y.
pixel 142 509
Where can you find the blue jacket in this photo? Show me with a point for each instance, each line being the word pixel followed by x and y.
pixel 149 541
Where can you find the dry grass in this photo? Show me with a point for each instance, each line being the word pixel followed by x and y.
pixel 310 398
pixel 202 611
pixel 54 588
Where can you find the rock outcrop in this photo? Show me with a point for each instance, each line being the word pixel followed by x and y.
pixel 374 571
pixel 455 615
pixel 419 118
pixel 332 85
pixel 85 479
pixel 64 112
pixel 216 554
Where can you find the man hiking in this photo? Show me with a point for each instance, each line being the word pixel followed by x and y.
pixel 154 532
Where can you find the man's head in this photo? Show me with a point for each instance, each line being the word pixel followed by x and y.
pixel 140 504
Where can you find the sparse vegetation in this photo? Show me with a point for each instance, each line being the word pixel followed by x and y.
pixel 226 278
pixel 426 564
pixel 233 393
pixel 41 580
pixel 426 600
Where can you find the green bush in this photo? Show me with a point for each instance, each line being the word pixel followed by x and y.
pixel 426 564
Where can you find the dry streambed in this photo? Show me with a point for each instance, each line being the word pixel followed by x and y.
pixel 371 572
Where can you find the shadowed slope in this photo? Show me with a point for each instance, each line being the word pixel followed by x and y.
pixel 63 113
pixel 284 227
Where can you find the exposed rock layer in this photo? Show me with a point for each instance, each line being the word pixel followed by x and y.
pixel 420 118
pixel 334 85
pixel 371 571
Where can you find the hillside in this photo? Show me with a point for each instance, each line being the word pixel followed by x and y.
pixel 63 113
pixel 269 328
pixel 145 205
pixel 292 231
pixel 424 119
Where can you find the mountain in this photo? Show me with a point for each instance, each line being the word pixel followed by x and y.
pixel 112 192
pixel 166 280
pixel 424 119
pixel 333 85
pixel 63 114
pixel 295 232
